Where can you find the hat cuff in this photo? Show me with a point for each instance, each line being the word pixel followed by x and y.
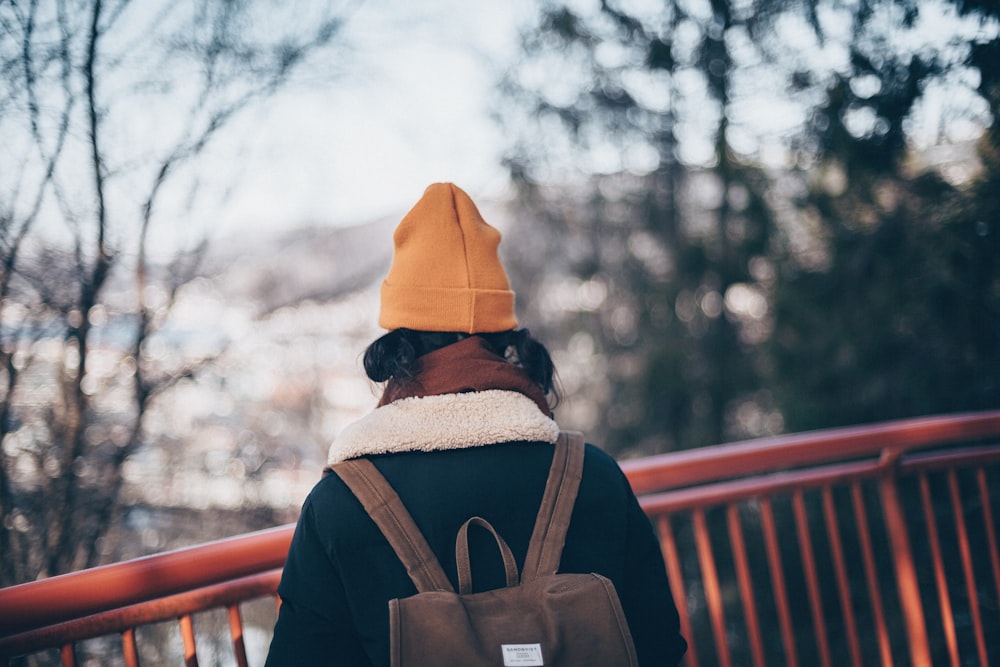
pixel 464 309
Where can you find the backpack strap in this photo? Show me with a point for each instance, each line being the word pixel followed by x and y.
pixel 388 512
pixel 549 534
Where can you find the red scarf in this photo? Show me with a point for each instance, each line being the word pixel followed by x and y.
pixel 468 365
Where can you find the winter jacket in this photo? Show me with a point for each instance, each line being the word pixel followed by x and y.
pixel 450 456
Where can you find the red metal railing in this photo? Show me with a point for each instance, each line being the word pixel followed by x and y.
pixel 118 598
pixel 849 563
pixel 866 545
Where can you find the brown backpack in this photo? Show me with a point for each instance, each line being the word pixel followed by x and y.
pixel 544 619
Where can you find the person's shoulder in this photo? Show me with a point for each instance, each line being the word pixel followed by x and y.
pixel 330 494
pixel 597 457
pixel 597 463
pixel 332 510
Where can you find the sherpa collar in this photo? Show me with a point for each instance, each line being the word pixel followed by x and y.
pixel 449 421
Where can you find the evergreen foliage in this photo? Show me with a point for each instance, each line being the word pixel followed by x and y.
pixel 755 238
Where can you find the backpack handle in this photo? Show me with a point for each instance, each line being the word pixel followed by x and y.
pixel 462 555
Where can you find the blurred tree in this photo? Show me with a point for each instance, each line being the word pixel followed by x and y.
pixel 105 110
pixel 671 225
pixel 671 161
pixel 903 304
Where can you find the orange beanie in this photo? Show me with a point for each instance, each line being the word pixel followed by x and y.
pixel 446 274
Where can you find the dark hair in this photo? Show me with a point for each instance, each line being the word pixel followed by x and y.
pixel 394 354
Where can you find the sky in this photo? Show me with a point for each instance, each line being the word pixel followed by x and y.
pixel 410 106
pixel 403 100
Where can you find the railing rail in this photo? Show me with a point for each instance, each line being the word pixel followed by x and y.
pixel 124 620
pixel 118 598
pixel 48 601
pixel 761 455
pixel 862 545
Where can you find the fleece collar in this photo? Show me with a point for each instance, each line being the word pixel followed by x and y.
pixel 448 421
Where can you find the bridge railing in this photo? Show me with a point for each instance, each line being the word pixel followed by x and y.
pixel 855 546
pixel 874 545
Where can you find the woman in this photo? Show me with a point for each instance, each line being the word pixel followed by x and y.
pixel 463 429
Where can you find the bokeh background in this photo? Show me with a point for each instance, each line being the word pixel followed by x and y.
pixel 726 218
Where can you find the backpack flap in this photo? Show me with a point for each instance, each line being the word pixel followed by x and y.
pixel 557 620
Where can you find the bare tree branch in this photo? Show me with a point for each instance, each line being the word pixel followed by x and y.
pixel 74 76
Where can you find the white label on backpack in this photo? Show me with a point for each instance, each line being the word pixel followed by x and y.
pixel 522 655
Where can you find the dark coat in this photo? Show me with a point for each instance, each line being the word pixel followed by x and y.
pixel 341 572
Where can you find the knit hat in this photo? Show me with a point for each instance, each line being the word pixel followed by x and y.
pixel 446 274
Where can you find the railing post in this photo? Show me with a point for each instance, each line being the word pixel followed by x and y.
pixel 906 577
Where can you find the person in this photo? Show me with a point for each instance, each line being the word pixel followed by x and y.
pixel 463 428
